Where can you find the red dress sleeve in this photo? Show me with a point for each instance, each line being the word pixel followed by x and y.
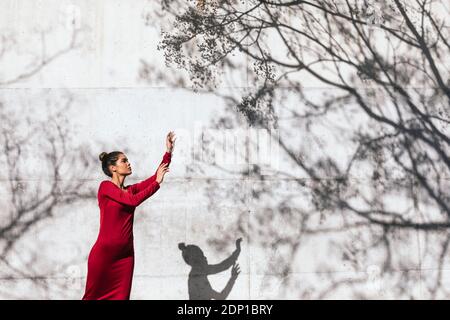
pixel 110 190
pixel 138 187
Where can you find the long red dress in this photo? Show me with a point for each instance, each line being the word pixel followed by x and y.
pixel 111 260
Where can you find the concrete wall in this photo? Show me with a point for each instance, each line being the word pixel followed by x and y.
pixel 105 107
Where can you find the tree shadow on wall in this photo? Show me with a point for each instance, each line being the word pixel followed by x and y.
pixel 45 174
pixel 392 183
pixel 44 167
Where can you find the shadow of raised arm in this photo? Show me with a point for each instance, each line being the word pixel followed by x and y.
pixel 226 291
pixel 228 262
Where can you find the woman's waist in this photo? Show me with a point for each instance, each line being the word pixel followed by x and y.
pixel 115 241
pixel 113 249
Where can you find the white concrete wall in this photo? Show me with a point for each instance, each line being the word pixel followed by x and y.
pixel 110 109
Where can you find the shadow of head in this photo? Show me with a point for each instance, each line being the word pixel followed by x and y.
pixel 193 255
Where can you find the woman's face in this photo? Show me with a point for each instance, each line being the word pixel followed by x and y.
pixel 122 166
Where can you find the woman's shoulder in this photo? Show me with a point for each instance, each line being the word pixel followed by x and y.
pixel 105 184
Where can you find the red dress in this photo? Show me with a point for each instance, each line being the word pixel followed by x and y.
pixel 111 260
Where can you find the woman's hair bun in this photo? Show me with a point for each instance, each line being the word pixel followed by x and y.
pixel 181 246
pixel 102 156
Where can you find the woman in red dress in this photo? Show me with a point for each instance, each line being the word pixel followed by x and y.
pixel 111 260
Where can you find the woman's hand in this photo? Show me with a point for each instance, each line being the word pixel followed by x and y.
pixel 170 141
pixel 162 170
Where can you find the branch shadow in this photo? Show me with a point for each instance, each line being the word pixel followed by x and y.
pixel 388 108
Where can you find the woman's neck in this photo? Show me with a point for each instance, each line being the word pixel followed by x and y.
pixel 118 181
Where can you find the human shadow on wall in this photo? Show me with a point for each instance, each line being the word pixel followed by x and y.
pixel 198 284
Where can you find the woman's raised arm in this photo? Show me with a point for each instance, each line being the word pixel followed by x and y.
pixel 138 187
pixel 111 191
